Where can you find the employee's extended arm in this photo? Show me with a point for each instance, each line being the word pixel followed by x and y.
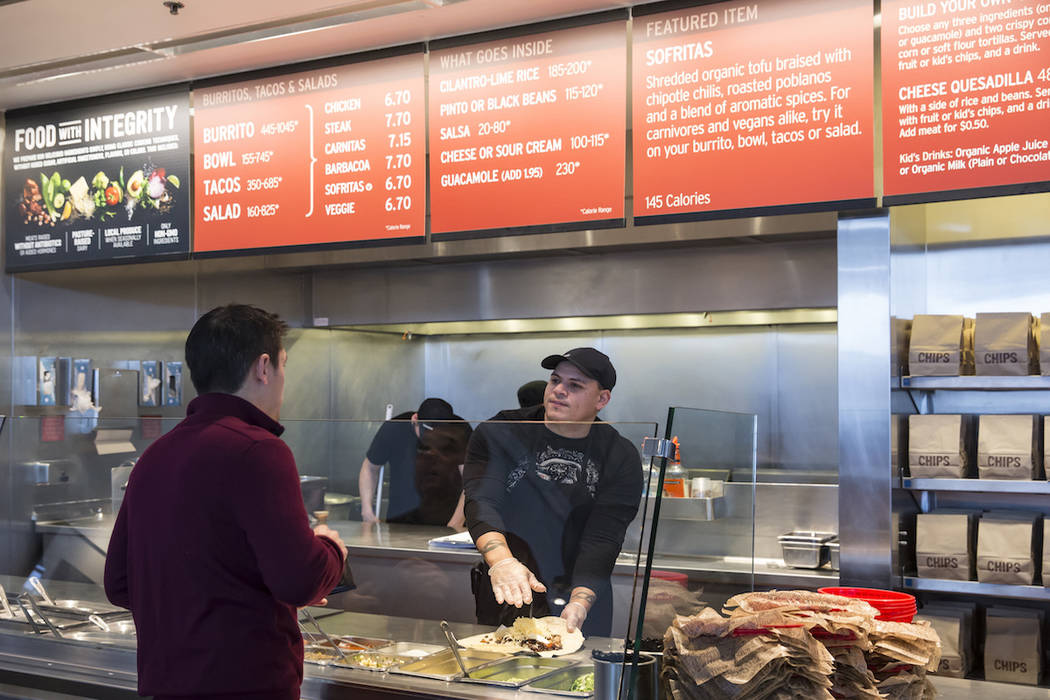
pixel 366 486
pixel 512 582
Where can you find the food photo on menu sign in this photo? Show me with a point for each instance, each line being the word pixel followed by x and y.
pixel 98 182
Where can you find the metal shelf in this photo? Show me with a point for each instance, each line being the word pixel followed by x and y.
pixel 1028 383
pixel 976 485
pixel 995 590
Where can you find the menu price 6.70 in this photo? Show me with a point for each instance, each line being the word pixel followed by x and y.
pixel 328 156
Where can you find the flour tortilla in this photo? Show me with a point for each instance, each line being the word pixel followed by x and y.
pixel 570 641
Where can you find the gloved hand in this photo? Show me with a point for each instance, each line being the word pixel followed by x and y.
pixel 574 613
pixel 513 583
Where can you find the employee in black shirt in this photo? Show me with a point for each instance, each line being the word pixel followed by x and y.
pixel 549 497
pixel 395 444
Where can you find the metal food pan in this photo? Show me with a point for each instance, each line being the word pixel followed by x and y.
pixel 320 655
pixel 804 556
pixel 806 537
pixel 559 682
pixel 517 671
pixel 18 622
pixel 348 647
pixel 80 609
pixel 443 667
pixel 372 661
pixel 348 643
pixel 372 643
pixel 833 550
pixel 413 649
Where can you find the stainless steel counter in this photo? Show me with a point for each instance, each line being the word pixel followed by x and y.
pixel 111 663
pixel 398 573
pixel 113 666
pixel 410 542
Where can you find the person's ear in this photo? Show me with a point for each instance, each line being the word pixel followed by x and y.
pixel 262 369
pixel 603 398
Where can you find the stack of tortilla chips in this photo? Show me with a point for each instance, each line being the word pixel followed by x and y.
pixel 796 644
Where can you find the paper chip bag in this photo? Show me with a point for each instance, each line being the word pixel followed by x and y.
pixel 1008 447
pixel 1013 647
pixel 953 629
pixel 944 545
pixel 1006 550
pixel 1004 344
pixel 936 346
pixel 937 446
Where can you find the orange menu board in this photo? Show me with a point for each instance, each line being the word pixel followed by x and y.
pixel 332 155
pixel 750 105
pixel 965 96
pixel 529 131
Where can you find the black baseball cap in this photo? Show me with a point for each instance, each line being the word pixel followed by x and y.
pixel 531 393
pixel 594 363
pixel 434 409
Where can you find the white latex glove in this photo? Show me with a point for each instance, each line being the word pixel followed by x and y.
pixel 574 613
pixel 513 583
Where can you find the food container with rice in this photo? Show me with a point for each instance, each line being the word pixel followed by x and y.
pixel 320 655
pixel 374 661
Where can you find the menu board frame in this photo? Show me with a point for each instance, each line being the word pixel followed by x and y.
pixel 900 200
pixel 930 196
pixel 841 205
pixel 45 110
pixel 586 20
pixel 305 66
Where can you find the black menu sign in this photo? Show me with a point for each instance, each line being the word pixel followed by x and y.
pixel 98 181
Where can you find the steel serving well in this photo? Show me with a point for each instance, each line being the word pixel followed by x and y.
pixel 443 666
pixel 517 671
pixel 805 549
pixel 560 682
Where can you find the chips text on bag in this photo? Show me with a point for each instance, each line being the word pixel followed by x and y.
pixel 938 446
pixel 944 545
pixel 1004 344
pixel 1008 447
pixel 936 346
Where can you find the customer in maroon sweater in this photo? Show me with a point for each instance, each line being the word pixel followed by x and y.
pixel 212 550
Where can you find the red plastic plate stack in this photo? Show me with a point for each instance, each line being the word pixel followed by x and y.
pixel 892 606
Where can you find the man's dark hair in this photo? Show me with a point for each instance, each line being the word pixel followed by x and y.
pixel 223 344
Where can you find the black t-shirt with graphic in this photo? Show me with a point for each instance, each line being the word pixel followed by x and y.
pixel 569 500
